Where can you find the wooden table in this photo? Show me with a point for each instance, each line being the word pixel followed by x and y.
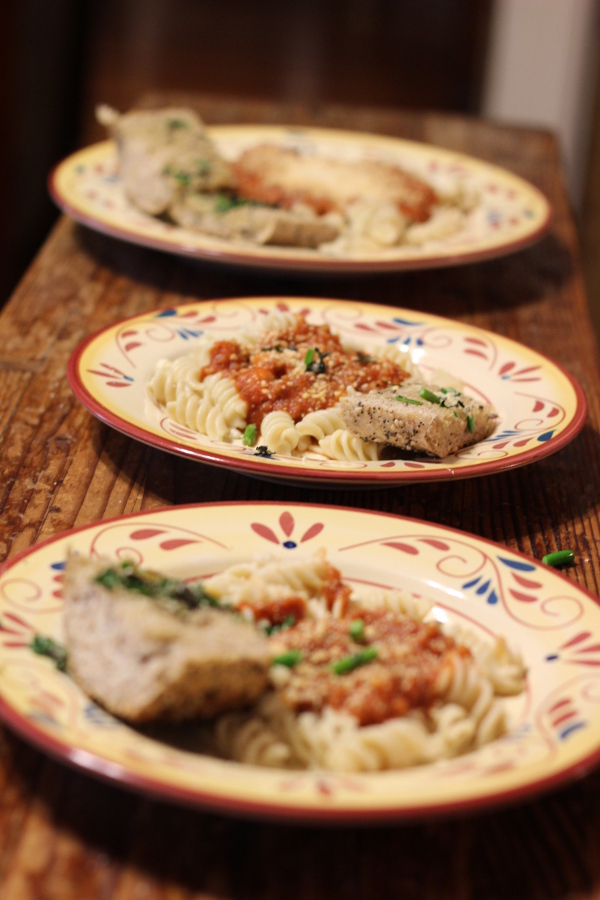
pixel 65 835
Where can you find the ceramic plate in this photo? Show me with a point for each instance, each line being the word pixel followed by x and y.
pixel 541 408
pixel 510 212
pixel 554 726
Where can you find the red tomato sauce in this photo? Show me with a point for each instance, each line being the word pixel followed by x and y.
pixel 410 657
pixel 276 375
pixel 276 612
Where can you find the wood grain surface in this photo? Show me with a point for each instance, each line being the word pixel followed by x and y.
pixel 67 836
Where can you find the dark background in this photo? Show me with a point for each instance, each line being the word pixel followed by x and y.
pixel 61 57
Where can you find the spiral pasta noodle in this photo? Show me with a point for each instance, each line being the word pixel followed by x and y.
pixel 467 712
pixel 217 410
pixel 268 578
pixel 205 396
pixel 342 445
pixel 279 432
pixel 320 423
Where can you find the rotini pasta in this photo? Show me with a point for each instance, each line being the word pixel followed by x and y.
pixel 267 579
pixel 463 711
pixel 277 386
pixel 319 424
pixel 343 445
pixel 279 432
pixel 173 378
pixel 374 227
pixel 217 410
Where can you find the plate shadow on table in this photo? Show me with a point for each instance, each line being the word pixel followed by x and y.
pixel 544 848
pixel 506 507
pixel 525 277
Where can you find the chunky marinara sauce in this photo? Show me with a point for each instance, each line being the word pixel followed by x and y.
pixel 276 375
pixel 282 610
pixel 410 656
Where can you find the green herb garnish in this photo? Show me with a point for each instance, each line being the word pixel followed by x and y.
pixel 430 396
pixel 109 579
pixel 450 397
pixel 289 659
pixel 408 400
pixel 288 622
pixel 174 124
pixel 148 584
pixel 349 663
pixel 357 631
pixel 277 349
pixel 192 595
pixel 45 646
pixel 225 203
pixel 183 178
pixel 250 435
pixel 264 451
pixel 471 423
pixel 559 558
pixel 203 166
pixel 315 365
pixel 363 358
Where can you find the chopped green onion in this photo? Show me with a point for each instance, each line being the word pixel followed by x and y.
pixel 225 203
pixel 109 579
pixel 289 659
pixel 363 358
pixel 177 123
pixel 250 434
pixel 45 646
pixel 471 423
pixel 183 178
pixel 429 395
pixel 192 595
pixel 560 558
pixel 349 663
pixel 357 631
pixel 128 577
pixel 316 366
pixel 450 390
pixel 288 622
pixel 264 451
pixel 408 400
pixel 455 415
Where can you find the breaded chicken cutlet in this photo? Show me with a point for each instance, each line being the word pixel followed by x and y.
pixel 437 421
pixel 283 177
pixel 149 649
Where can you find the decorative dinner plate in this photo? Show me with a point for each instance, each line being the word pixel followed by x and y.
pixel 541 408
pixel 509 213
pixel 553 727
